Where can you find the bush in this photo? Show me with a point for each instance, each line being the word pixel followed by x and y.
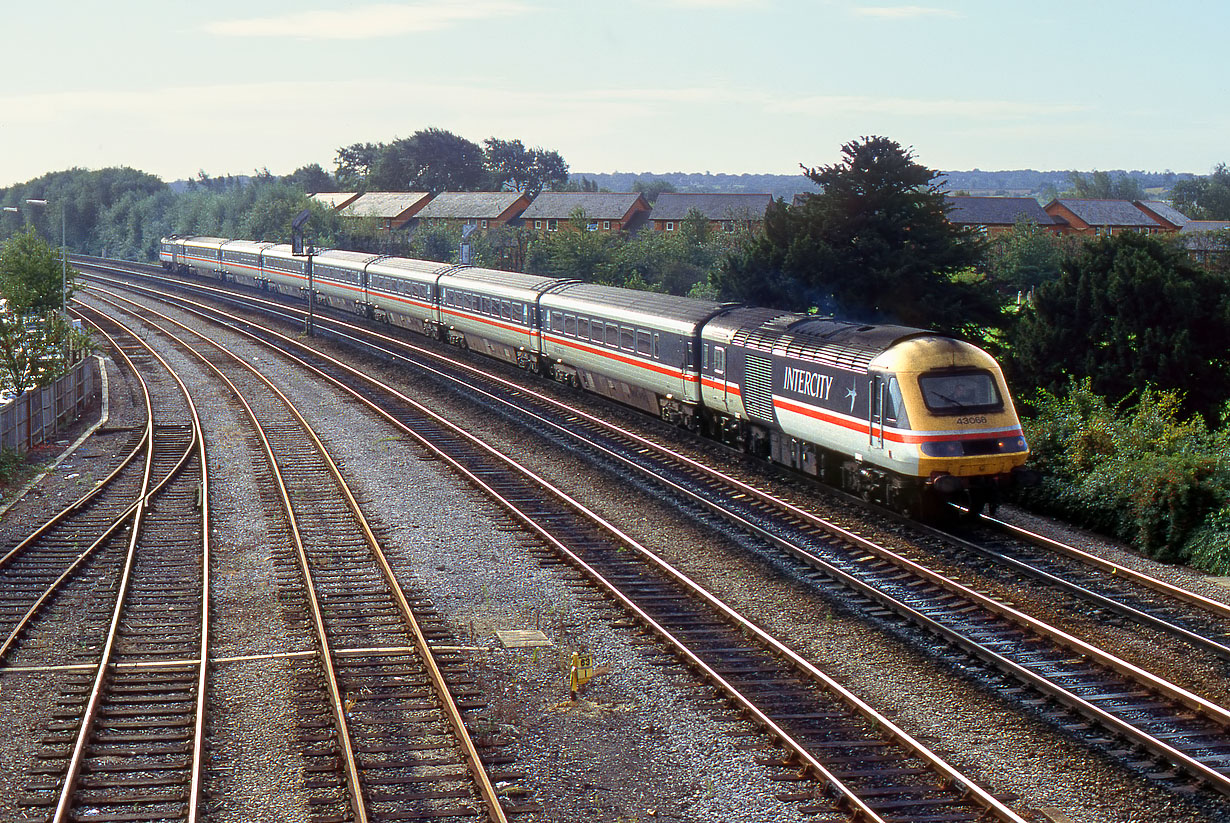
pixel 1140 474
pixel 10 465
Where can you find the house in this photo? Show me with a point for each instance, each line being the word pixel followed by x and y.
pixel 393 209
pixel 484 209
pixel 1170 218
pixel 991 216
pixel 604 211
pixel 1205 240
pixel 1102 217
pixel 336 200
pixel 725 212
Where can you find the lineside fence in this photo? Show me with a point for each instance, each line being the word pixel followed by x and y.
pixel 38 415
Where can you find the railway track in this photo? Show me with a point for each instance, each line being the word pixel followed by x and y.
pixel 1139 710
pixel 125 741
pixel 389 730
pixel 860 760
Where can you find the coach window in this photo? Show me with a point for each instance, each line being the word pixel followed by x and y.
pixel 705 356
pixel 596 331
pixel 644 343
pixel 505 310
pixel 583 328
pixel 612 335
pixel 657 348
pixel 557 321
pixel 719 360
pixel 570 325
pixel 486 309
pixel 627 339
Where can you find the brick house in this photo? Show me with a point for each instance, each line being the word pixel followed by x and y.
pixel 484 209
pixel 392 209
pixel 604 211
pixel 1205 240
pixel 1170 218
pixel 725 212
pixel 1102 217
pixel 991 216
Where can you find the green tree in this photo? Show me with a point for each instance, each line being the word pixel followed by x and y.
pixel 311 178
pixel 354 163
pixel 513 166
pixel 31 272
pixel 1024 258
pixel 1128 312
pixel 431 160
pixel 1102 186
pixel 652 188
pixel 1204 198
pixel 873 245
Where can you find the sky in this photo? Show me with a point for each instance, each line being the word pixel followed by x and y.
pixel 724 86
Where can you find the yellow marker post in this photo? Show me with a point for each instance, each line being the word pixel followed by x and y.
pixel 580 672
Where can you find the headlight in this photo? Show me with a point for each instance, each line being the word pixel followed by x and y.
pixel 943 448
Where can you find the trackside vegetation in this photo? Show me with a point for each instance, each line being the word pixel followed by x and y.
pixel 1139 471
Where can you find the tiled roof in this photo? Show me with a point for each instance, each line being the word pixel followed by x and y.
pixel 469 205
pixel 560 205
pixel 384 204
pixel 995 211
pixel 1108 212
pixel 333 199
pixel 1205 235
pixel 1199 226
pixel 1165 211
pixel 675 206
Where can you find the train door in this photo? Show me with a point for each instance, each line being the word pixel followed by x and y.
pixel 877 408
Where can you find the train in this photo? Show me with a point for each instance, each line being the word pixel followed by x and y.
pixel 904 417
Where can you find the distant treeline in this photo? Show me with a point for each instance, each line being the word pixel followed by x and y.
pixel 1019 183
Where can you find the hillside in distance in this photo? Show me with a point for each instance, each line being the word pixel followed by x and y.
pixel 1016 183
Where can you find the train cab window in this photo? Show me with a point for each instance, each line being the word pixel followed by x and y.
pixel 719 359
pixel 583 328
pixel 959 392
pixel 627 339
pixel 570 325
pixel 894 408
pixel 557 321
pixel 644 343
pixel 612 335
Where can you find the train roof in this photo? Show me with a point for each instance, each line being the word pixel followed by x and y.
pixel 203 241
pixel 403 266
pixel 824 340
pixel 633 305
pixel 511 284
pixel 356 259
